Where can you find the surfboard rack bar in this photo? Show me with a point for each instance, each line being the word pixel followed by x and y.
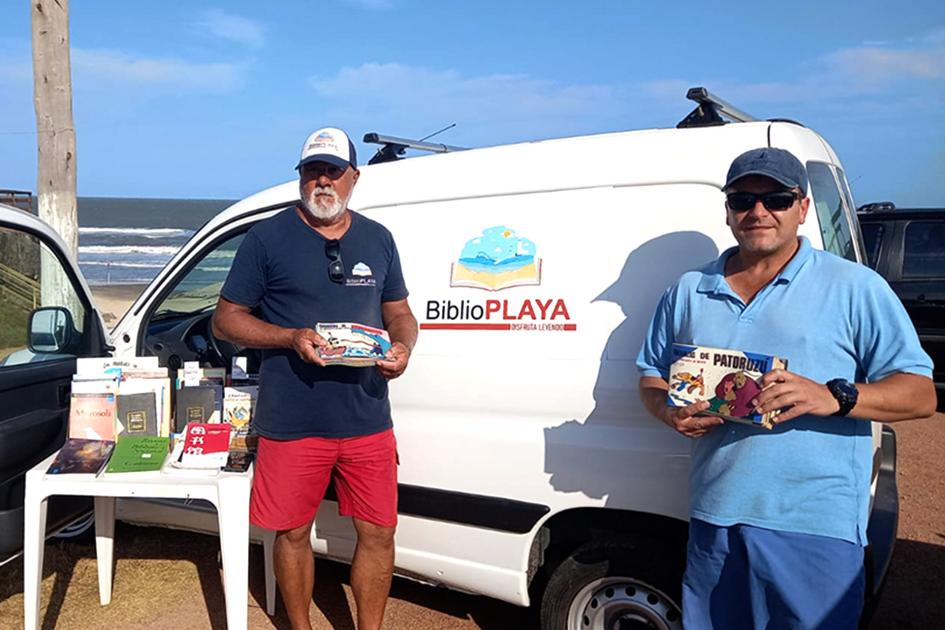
pixel 711 110
pixel 393 148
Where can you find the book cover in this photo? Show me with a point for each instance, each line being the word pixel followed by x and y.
pixel 238 405
pixel 352 344
pixel 92 416
pixel 194 404
pixel 137 414
pixel 159 386
pixel 218 390
pixel 728 379
pixel 138 454
pixel 81 456
pixel 206 445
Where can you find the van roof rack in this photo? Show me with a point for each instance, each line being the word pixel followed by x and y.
pixel 877 206
pixel 393 148
pixel 710 110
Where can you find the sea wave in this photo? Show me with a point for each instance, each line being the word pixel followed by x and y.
pixel 131 265
pixel 145 232
pixel 168 250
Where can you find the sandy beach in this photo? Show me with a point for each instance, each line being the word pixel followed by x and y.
pixel 112 300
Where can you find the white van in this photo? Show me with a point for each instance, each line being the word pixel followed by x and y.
pixel 530 471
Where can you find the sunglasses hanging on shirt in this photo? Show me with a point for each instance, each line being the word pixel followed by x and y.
pixel 336 268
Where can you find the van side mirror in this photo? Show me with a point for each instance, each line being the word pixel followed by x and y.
pixel 52 330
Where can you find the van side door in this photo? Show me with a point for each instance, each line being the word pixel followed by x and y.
pixel 46 322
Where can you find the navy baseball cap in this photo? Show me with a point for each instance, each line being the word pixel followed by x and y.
pixel 778 164
pixel 330 145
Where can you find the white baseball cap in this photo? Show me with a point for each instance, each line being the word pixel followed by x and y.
pixel 331 145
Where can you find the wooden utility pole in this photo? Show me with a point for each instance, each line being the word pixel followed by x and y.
pixel 55 132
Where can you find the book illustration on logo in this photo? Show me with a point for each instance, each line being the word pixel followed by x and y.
pixel 81 456
pixel 728 379
pixel 352 344
pixel 498 259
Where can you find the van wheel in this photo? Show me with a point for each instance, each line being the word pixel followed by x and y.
pixel 615 585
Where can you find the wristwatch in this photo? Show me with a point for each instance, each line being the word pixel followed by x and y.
pixel 846 394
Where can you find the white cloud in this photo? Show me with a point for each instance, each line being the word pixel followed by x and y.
pixel 111 67
pixel 881 66
pixel 870 79
pixel 421 99
pixel 233 28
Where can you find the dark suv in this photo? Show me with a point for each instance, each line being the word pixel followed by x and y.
pixel 907 246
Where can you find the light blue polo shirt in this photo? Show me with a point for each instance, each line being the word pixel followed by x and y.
pixel 830 318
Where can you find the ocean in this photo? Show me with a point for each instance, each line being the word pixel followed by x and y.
pixel 124 240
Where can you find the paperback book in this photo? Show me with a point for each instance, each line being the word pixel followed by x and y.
pixel 205 445
pixel 133 454
pixel 239 404
pixel 728 379
pixel 92 415
pixel 81 456
pixel 195 404
pixel 137 414
pixel 352 344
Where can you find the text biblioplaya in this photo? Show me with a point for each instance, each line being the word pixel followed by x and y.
pixel 506 310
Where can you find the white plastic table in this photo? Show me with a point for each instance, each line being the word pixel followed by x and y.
pixel 229 492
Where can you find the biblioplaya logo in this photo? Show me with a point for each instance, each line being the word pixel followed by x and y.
pixel 495 260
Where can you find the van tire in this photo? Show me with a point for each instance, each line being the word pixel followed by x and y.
pixel 615 584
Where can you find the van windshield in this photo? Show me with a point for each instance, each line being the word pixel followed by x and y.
pixel 199 289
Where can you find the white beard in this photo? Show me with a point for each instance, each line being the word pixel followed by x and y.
pixel 319 208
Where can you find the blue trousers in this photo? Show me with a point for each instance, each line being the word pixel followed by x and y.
pixel 749 577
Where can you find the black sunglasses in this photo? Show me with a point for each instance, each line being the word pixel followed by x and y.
pixel 336 268
pixel 780 200
pixel 317 169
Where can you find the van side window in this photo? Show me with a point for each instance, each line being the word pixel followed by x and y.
pixel 35 288
pixel 828 203
pixel 923 256
pixel 873 238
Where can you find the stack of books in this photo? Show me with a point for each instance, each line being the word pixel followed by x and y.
pixel 121 420
pixel 119 414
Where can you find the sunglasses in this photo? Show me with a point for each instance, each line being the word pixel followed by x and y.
pixel 317 169
pixel 336 268
pixel 780 200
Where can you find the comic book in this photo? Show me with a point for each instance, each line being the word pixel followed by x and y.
pixel 352 344
pixel 728 379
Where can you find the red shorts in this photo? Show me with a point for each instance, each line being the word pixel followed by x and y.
pixel 291 477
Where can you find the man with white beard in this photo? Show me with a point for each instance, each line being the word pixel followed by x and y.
pixel 321 262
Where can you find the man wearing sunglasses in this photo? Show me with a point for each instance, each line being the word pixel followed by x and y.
pixel 321 262
pixel 778 518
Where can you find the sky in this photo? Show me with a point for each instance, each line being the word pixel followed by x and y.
pixel 213 100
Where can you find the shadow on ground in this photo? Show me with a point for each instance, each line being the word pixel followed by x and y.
pixel 172 579
pixel 912 598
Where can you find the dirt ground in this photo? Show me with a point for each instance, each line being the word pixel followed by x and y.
pixel 169 579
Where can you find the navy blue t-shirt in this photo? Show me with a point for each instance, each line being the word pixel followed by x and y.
pixel 281 272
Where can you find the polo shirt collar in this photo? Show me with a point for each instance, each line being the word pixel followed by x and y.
pixel 713 280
